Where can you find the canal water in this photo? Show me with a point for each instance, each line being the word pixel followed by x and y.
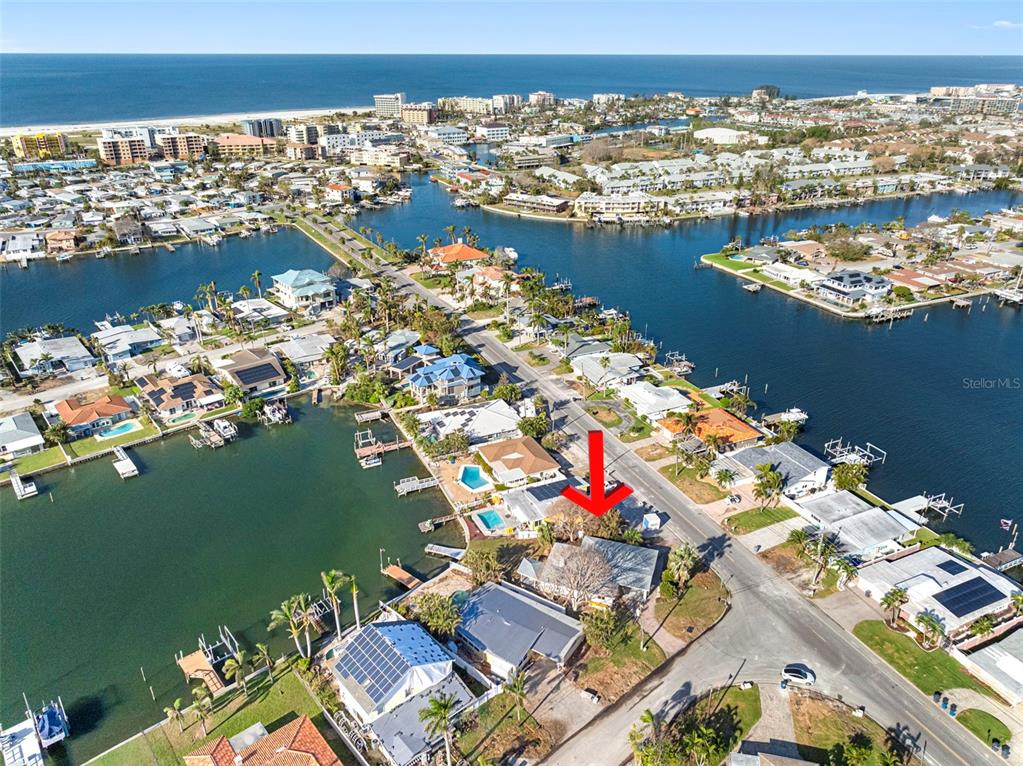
pixel 941 392
pixel 85 289
pixel 113 577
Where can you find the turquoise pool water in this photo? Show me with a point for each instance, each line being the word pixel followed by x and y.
pixel 121 428
pixel 472 477
pixel 491 520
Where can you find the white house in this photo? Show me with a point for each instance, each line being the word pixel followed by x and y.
pixel 38 357
pixel 19 435
pixel 654 402
pixel 802 473
pixel 610 370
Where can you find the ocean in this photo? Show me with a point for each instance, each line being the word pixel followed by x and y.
pixel 41 89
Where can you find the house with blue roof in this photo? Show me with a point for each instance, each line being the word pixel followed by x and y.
pixel 458 377
pixel 305 290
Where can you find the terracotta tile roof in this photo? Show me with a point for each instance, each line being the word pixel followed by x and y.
pixel 74 413
pixel 523 453
pixel 457 252
pixel 217 752
pixel 239 139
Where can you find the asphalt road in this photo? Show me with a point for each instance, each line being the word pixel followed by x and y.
pixel 769 624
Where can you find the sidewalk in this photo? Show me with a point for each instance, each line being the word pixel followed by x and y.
pixel 774 733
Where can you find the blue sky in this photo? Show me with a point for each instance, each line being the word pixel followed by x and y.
pixel 528 26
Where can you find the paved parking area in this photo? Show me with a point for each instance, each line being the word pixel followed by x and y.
pixel 556 701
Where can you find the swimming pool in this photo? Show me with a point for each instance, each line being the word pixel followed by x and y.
pixel 491 520
pixel 472 478
pixel 121 428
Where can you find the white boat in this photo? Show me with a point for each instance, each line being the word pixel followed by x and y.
pixel 794 415
pixel 225 428
pixel 753 287
pixel 211 239
pixel 371 461
pixel 51 723
pixel 64 257
pixel 244 234
pixel 103 252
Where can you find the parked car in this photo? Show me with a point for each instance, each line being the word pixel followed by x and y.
pixel 733 499
pixel 798 674
pixel 590 695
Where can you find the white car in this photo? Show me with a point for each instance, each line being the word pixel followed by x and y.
pixel 734 499
pixel 798 674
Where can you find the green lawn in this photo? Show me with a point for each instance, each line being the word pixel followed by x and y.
pixel 757 518
pixel 723 260
pixel 429 281
pixel 700 607
pixel 984 725
pixel 925 536
pixel 37 461
pixel 640 429
pixel 272 704
pixel 606 416
pixel 692 486
pixel 613 673
pixel 928 671
pixel 90 445
pixel 731 714
pixel 498 732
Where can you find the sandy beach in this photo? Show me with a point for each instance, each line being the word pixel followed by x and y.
pixel 203 119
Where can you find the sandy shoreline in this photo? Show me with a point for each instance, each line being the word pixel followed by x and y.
pixel 202 119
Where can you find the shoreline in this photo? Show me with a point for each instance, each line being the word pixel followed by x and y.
pixel 200 119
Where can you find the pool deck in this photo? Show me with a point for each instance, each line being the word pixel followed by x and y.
pixel 447 473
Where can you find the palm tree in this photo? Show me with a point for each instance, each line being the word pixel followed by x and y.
pixel 932 627
pixel 306 618
pixel 651 723
pixel 1017 601
pixel 174 713
pixel 263 655
pixel 724 477
pixel 285 615
pixel 889 758
pixel 714 442
pixel 982 626
pixel 333 581
pixel 355 600
pixel 741 403
pixel 203 709
pixel 238 668
pixel 337 358
pixel 787 430
pixel 681 561
pixel 768 484
pixel 892 601
pixel 256 276
pixel 516 688
pixel 825 550
pixel 699 742
pixel 799 538
pixel 437 714
pixel 450 230
pixel 846 570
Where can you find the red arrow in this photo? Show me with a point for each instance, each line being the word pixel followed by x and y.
pixel 597 502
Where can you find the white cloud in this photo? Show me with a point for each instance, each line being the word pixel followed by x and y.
pixel 1007 25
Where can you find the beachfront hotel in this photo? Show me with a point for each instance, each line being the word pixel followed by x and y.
pixel 388 105
pixel 39 145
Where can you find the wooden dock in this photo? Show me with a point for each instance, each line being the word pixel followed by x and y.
pixel 414 484
pixel 369 416
pixel 197 666
pixel 431 524
pixel 444 551
pixel 366 444
pixel 395 572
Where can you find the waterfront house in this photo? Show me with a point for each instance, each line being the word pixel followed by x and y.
pixel 52 355
pixel 296 743
pixel 127 230
pixel 458 377
pixel 175 396
pixel 514 462
pixel 305 350
pixel 256 312
pixel 533 503
pixel 579 345
pixel 864 532
pixel 459 252
pixel 490 421
pixel 956 590
pixel 850 287
pixel 62 241
pixel 119 343
pixel 396 345
pixel 793 276
pixel 86 418
pixel 802 472
pixel 19 436
pixel 804 248
pixel 254 370
pixel 762 254
pixel 509 626
pixel 732 432
pixel 384 664
pixel 631 571
pixel 178 330
pixel 610 370
pixel 654 402
pixel 305 290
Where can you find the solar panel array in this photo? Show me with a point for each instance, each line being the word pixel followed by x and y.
pixel 969 596
pixel 952 567
pixel 256 374
pixel 550 491
pixel 373 663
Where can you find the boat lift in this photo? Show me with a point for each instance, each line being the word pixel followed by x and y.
pixel 943 506
pixel 678 363
pixel 840 451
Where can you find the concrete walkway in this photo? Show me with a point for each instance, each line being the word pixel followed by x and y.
pixel 966 699
pixel 774 733
pixel 649 622
pixel 771 536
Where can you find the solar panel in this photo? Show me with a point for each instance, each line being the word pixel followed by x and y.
pixel 969 596
pixel 952 567
pixel 256 374
pixel 548 491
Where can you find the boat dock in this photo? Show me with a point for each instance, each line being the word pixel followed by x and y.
pixel 123 464
pixel 396 573
pixel 839 451
pixel 206 436
pixel 201 664
pixel 366 444
pixel 679 363
pixel 20 744
pixel 414 484
pixel 274 413
pixel 368 416
pixel 23 488
pixel 1006 558
pixel 753 287
pixel 961 303
pixel 444 551
pixel 793 415
pixel 431 524
pixel 882 314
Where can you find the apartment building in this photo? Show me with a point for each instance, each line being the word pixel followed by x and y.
pixel 424 113
pixel 506 102
pixel 466 105
pixel 232 145
pixel 122 151
pixel 588 204
pixel 607 99
pixel 267 127
pixel 39 145
pixel 388 105
pixel 182 146
pixel 493 131
pixel 303 134
pixel 542 98
pixel 379 156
